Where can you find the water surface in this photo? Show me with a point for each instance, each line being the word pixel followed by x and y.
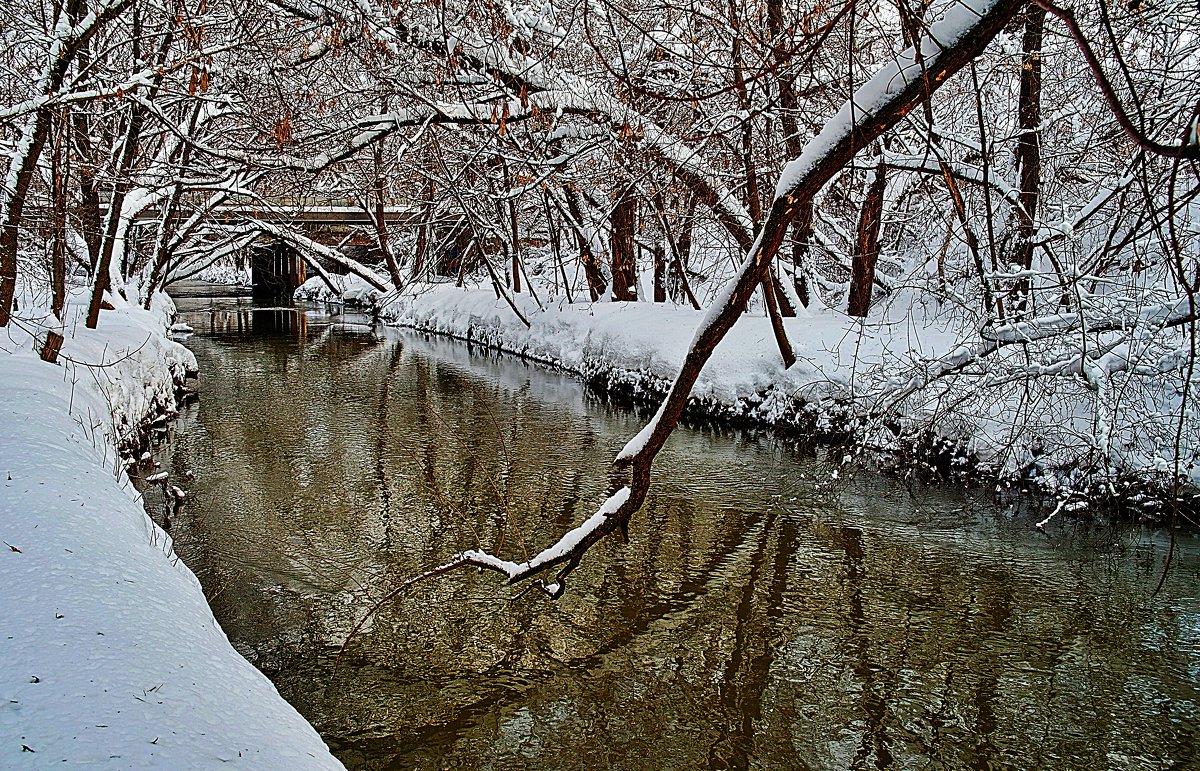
pixel 762 616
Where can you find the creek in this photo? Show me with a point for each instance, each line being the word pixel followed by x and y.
pixel 764 614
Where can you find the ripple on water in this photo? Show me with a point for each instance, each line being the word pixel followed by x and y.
pixel 759 617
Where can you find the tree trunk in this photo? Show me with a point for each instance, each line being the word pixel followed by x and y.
pixel 660 278
pixel 1029 166
pixel 624 223
pixel 112 223
pixel 381 231
pixel 597 285
pixel 555 236
pixel 516 249
pixel 862 272
pixel 89 189
pixel 802 232
pixel 20 174
pixel 423 232
pixel 506 208
pixel 59 177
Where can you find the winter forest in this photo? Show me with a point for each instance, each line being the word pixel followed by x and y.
pixel 948 246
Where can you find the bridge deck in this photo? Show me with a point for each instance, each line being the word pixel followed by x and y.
pixel 324 215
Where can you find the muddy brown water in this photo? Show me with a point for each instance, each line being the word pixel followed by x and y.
pixel 762 616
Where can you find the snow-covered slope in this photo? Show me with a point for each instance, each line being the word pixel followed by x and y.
pixel 110 655
pixel 847 371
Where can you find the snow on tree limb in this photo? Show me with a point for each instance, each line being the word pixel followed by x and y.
pixel 546 89
pixel 567 551
pixel 574 542
pixel 1058 325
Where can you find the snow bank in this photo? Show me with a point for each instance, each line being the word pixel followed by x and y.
pixel 844 385
pixel 351 290
pixel 111 656
pixel 636 349
pixel 224 274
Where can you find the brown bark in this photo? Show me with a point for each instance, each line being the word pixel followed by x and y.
pixel 381 229
pixel 51 346
pixel 597 285
pixel 777 328
pixel 752 196
pixel 1029 167
pixel 866 253
pixel 623 221
pixel 660 279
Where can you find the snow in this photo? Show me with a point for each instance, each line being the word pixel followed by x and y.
pixel 635 445
pixel 112 658
pixel 570 540
pixel 225 274
pixel 901 362
pixel 642 344
pixel 574 537
pixel 637 348
pixel 888 81
pixel 351 290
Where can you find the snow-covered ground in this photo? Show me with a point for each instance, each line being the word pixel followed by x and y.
pixel 848 374
pixel 111 658
pixel 637 346
pixel 224 274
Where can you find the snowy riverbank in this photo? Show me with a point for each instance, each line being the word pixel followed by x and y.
pixel 111 656
pixel 843 385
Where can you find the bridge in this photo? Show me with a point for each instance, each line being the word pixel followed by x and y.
pixel 278 267
pixel 276 270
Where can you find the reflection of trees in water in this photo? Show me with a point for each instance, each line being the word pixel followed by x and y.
pixel 736 633
pixel 747 673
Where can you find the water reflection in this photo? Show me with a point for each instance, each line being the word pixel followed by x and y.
pixel 759 618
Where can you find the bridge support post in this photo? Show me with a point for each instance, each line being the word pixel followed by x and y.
pixel 276 270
